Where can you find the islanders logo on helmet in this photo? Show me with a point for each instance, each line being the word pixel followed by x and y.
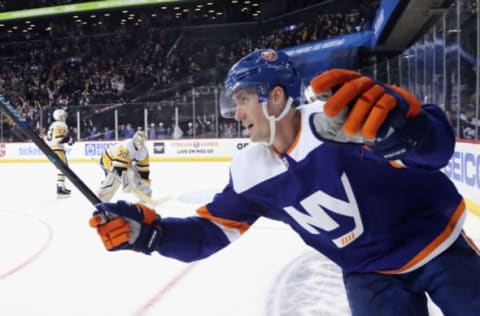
pixel 269 55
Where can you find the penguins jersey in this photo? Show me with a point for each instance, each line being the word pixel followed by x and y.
pixel 121 156
pixel 363 212
pixel 57 135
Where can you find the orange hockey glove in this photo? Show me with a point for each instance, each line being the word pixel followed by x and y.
pixel 362 111
pixel 122 225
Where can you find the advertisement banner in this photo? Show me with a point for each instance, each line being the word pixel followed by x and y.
pixel 205 149
pixel 197 149
pixel 464 170
pixel 96 148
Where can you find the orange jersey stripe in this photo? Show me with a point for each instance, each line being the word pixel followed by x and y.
pixel 396 164
pixel 228 223
pixel 434 244
pixel 294 143
pixel 149 214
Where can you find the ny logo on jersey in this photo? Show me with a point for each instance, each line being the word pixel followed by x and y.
pixel 316 217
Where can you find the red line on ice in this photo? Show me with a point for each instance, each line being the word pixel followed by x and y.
pixel 158 297
pixel 35 255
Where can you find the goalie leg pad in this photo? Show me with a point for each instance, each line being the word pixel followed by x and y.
pixel 145 187
pixel 109 186
pixel 130 180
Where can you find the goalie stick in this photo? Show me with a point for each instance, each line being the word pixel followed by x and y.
pixel 11 112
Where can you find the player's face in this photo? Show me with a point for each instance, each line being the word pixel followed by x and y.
pixel 249 113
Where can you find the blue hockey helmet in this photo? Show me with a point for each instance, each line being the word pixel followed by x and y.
pixel 262 70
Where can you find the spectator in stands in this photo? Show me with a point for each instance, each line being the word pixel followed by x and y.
pixel 107 133
pixel 62 70
pixel 94 134
pixel 161 132
pixel 189 132
pixel 228 130
pixel 129 131
pixel 152 131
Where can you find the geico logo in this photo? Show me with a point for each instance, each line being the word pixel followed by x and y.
pixel 465 168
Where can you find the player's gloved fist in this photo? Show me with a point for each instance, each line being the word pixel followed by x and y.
pixel 71 141
pixel 122 225
pixel 360 110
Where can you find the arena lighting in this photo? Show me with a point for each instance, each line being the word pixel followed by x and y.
pixel 79 7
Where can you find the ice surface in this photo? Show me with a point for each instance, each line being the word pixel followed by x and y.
pixel 52 263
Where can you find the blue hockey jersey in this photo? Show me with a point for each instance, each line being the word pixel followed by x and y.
pixel 363 212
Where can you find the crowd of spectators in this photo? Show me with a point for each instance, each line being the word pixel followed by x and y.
pixel 72 69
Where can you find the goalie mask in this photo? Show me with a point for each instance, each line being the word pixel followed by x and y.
pixel 59 115
pixel 139 139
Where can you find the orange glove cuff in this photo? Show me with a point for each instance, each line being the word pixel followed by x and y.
pixel 415 105
pixel 149 214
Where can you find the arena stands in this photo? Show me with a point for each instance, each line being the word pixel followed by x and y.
pixel 170 60
pixel 75 64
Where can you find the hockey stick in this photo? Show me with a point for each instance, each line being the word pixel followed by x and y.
pixel 11 112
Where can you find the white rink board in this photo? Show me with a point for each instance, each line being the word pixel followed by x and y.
pixel 463 168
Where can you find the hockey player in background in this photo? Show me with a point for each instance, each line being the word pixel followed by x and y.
pixel 57 136
pixel 357 177
pixel 126 164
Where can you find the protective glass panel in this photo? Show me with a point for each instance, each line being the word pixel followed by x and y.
pixel 160 119
pixel 469 122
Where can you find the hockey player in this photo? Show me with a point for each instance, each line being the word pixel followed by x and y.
pixel 126 164
pixel 357 177
pixel 57 136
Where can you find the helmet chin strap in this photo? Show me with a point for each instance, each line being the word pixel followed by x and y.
pixel 272 119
